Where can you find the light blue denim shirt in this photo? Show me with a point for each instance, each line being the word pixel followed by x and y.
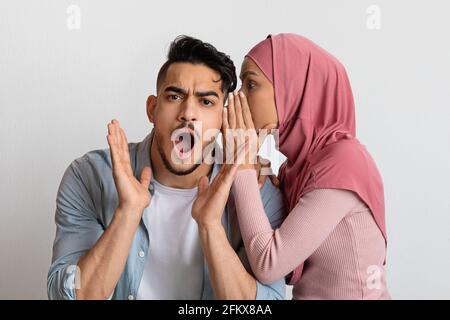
pixel 85 205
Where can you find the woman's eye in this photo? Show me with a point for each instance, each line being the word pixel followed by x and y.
pixel 251 84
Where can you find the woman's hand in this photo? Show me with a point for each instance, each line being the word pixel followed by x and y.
pixel 133 194
pixel 264 171
pixel 238 127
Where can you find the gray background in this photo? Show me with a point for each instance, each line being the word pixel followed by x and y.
pixel 59 87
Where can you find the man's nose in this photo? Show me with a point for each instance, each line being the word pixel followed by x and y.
pixel 188 112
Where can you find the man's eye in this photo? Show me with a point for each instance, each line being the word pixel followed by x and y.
pixel 174 97
pixel 206 102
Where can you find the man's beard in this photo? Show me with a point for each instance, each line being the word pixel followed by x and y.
pixel 169 166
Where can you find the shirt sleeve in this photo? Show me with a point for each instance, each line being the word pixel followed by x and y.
pixel 77 229
pixel 275 252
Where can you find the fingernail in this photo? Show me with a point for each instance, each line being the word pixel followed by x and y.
pixel 235 93
pixel 241 94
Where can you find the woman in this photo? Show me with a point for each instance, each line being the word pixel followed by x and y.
pixel 332 244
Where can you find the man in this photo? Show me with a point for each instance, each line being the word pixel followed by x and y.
pixel 115 239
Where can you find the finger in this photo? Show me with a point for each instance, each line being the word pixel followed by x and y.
pixel 124 148
pixel 146 176
pixel 111 144
pixel 231 111
pixel 115 125
pixel 229 173
pixel 241 153
pixel 202 186
pixel 111 132
pixel 225 124
pixel 275 180
pixel 112 141
pixel 118 144
pixel 120 139
pixel 222 172
pixel 247 116
pixel 109 126
pixel 266 171
pixel 258 164
pixel 110 137
pixel 264 162
pixel 237 106
pixel 124 140
pixel 115 133
pixel 262 180
pixel 226 135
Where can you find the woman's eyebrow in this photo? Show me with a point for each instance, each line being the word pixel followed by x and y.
pixel 247 73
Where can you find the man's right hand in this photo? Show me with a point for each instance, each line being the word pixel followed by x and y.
pixel 133 195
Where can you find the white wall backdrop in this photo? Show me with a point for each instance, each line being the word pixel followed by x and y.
pixel 68 67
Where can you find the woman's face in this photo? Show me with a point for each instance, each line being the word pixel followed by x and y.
pixel 260 95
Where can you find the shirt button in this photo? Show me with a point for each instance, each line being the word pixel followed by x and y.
pixel 151 188
pixel 141 254
pixel 130 297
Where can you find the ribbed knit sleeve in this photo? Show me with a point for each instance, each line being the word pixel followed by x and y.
pixel 275 253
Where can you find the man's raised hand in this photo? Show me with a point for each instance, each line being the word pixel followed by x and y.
pixel 133 194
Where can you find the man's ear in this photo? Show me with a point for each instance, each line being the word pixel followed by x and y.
pixel 151 105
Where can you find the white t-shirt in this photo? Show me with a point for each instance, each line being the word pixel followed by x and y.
pixel 174 267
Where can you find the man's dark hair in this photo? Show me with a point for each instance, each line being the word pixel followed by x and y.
pixel 195 51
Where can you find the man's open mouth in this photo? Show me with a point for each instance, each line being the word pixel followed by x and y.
pixel 183 142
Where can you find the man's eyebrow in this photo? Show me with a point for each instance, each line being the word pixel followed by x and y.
pixel 185 92
pixel 176 89
pixel 207 93
pixel 247 73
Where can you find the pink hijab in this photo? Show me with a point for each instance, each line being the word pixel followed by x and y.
pixel 317 131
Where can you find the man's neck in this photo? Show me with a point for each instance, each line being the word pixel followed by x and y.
pixel 169 179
